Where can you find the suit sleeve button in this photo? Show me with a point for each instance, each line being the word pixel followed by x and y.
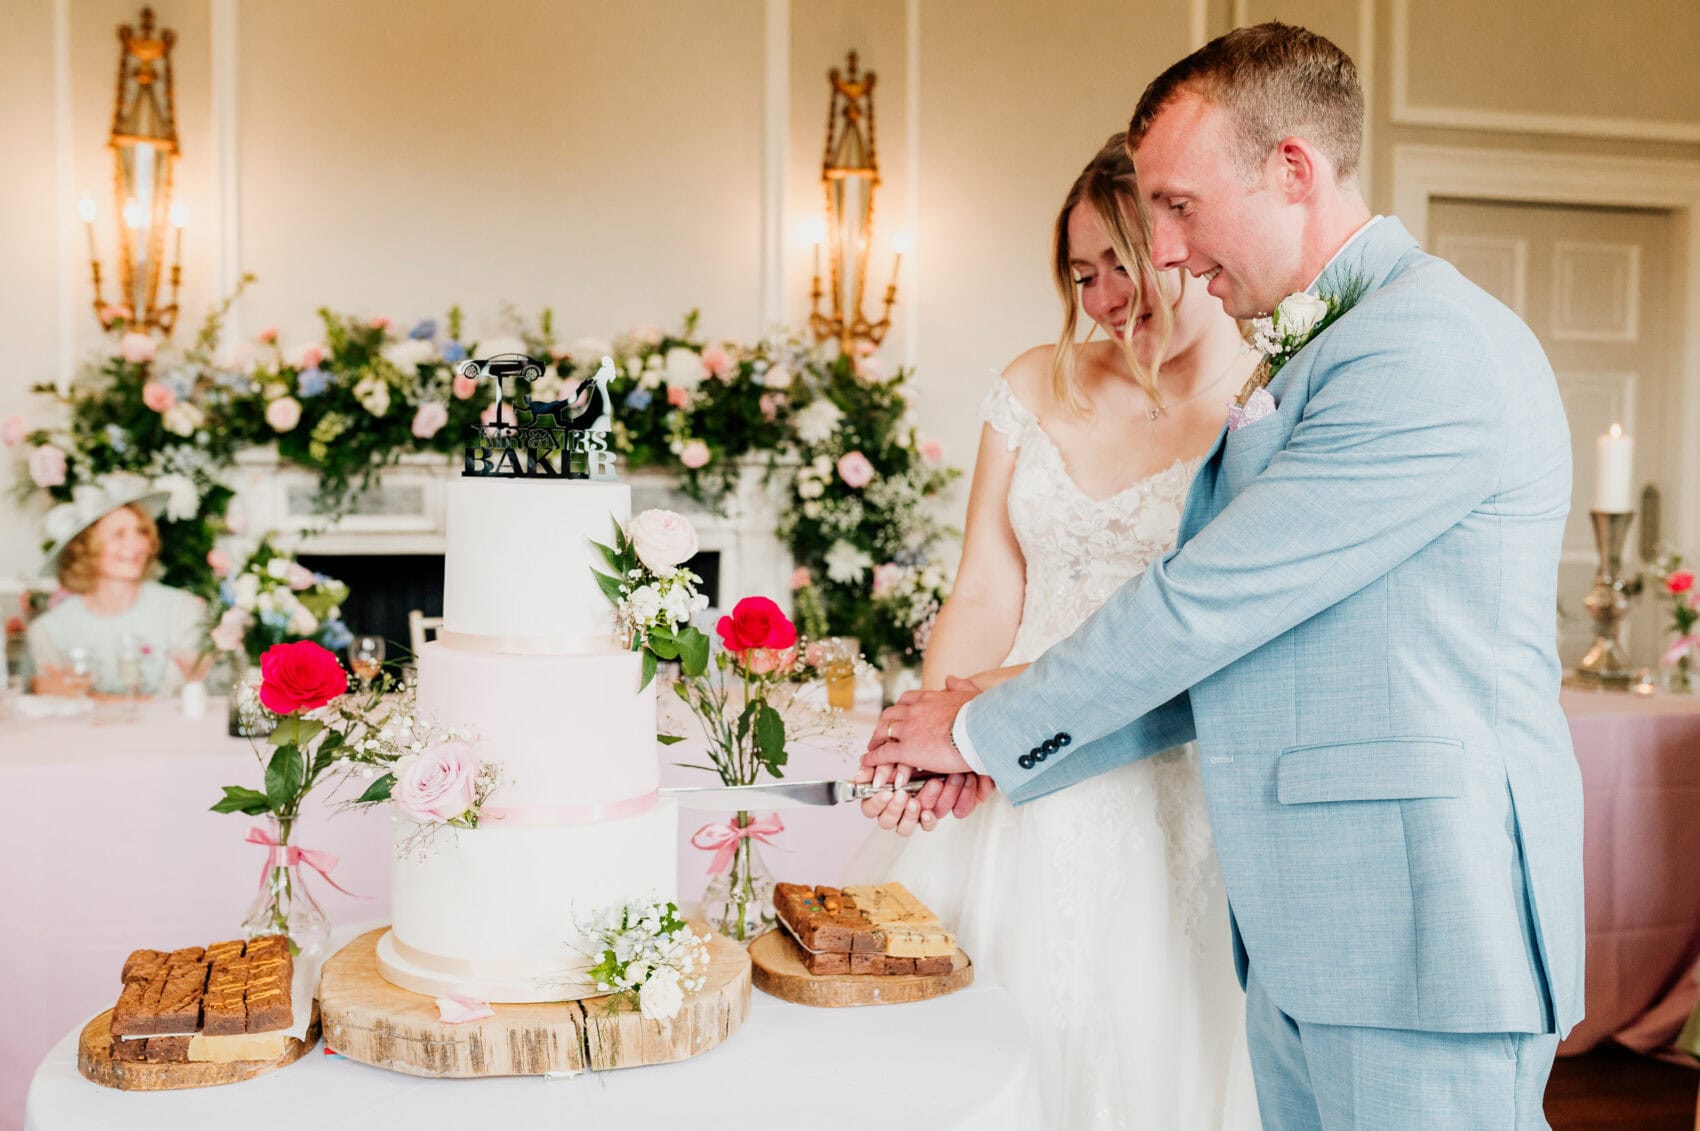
pixel 1025 761
pixel 1063 739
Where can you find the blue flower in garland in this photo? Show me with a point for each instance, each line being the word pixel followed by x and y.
pixel 227 592
pixel 453 352
pixel 638 399
pixel 335 635
pixel 312 382
pixel 118 438
pixel 426 329
pixel 273 618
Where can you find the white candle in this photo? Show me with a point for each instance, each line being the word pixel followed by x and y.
pixel 1614 478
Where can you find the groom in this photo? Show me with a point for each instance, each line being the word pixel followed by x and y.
pixel 1357 626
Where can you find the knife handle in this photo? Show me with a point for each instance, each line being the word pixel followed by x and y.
pixel 913 785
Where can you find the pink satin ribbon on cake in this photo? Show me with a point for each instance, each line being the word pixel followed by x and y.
pixel 527 645
pixel 495 969
pixel 288 855
pixel 553 816
pixel 722 840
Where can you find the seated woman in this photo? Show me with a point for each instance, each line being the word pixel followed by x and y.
pixel 113 609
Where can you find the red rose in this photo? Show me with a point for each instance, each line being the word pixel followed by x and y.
pixel 756 622
pixel 299 677
pixel 1680 582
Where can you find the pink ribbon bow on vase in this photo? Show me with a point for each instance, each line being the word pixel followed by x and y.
pixel 722 840
pixel 287 856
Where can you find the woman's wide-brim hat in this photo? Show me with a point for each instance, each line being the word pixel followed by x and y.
pixel 91 503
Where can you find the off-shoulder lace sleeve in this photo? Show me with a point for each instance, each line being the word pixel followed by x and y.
pixel 1007 416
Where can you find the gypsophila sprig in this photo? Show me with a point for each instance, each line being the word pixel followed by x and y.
pixel 646 956
pixel 1301 316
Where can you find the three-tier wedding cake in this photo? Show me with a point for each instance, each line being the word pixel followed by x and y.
pixel 528 658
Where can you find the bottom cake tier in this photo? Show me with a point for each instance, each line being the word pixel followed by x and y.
pixel 494 913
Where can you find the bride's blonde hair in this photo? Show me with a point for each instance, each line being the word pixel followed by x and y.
pixel 1108 187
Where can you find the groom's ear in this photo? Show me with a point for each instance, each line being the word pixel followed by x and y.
pixel 1298 168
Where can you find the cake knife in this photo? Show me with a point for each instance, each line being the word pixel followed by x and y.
pixel 782 794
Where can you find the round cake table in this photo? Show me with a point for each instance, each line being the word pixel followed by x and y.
pixel 960 1061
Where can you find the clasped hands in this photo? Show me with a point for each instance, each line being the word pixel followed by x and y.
pixel 914 734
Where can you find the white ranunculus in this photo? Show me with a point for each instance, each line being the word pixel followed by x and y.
pixel 661 998
pixel 182 418
pixel 409 354
pixel 184 500
pixel 663 539
pixel 683 368
pixel 645 602
pixel 677 604
pixel 1297 313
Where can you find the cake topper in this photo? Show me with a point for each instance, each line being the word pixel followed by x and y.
pixel 559 439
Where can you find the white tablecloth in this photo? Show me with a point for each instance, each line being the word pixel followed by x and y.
pixel 959 1061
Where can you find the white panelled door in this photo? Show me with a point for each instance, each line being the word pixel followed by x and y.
pixel 1596 286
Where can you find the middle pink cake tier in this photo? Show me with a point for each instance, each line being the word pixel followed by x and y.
pixel 574 735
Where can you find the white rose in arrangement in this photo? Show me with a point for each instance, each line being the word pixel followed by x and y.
pixel 663 539
pixel 182 418
pixel 644 602
pixel 683 368
pixel 247 592
pixel 816 423
pixel 1297 313
pixel 661 997
pixel 846 564
pixel 409 354
pixel 778 376
pixel 440 786
pixel 373 393
pixel 302 622
pixel 278 568
pixel 283 414
pixel 184 500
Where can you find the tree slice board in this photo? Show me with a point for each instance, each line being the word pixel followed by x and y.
pixel 95 1062
pixel 369 1019
pixel 779 970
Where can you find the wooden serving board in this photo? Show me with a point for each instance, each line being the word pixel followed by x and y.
pixel 374 1021
pixel 95 1061
pixel 779 970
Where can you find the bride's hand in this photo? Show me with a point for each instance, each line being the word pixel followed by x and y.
pixel 952 795
pixel 987 680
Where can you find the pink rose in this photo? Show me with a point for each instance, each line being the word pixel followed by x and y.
pixel 378 322
pixel 160 398
pixel 464 387
pixel 488 416
pixel 865 348
pixel 756 622
pixel 770 404
pixel 870 369
pixel 268 336
pixel 855 470
pixel 932 451
pixel 12 431
pixel 232 626
pixel 219 562
pixel 137 348
pixel 718 363
pixel 300 577
pixel 695 454
pixel 1680 581
pixel 663 540
pixel 47 466
pixel 283 414
pixel 429 420
pixel 801 578
pixel 886 576
pixel 308 356
pixel 678 397
pixel 438 785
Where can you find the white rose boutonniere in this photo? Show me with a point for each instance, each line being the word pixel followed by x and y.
pixel 1297 319
pixel 1298 313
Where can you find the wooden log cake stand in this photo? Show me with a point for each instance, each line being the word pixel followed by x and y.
pixel 369 1019
pixel 779 971
pixel 95 1061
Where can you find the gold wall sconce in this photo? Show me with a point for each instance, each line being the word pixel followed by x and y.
pixel 144 157
pixel 850 175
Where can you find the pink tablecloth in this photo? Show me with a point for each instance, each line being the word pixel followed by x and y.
pixel 106 845
pixel 1640 760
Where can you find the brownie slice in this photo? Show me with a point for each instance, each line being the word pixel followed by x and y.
pixel 137 1011
pixel 222 1011
pixel 172 1050
pixel 826 962
pixel 142 965
pixel 180 998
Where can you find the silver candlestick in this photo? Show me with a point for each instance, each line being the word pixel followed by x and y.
pixel 1607 602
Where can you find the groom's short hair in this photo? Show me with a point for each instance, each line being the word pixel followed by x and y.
pixel 1275 81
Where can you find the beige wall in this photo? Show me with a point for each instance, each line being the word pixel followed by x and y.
pixel 609 160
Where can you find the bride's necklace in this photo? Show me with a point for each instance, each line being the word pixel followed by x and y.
pixel 1161 408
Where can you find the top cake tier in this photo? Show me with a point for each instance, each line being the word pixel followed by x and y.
pixel 518 561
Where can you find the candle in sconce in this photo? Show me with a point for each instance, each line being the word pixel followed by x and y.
pixel 85 210
pixel 1614 477
pixel 179 221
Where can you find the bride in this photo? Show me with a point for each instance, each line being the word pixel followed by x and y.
pixel 1099 907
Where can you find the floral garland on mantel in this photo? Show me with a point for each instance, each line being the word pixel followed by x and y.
pixel 834 430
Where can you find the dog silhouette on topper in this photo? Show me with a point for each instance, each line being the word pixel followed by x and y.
pixel 587 409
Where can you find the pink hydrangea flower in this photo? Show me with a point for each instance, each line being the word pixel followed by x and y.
pixel 159 397
pixel 12 430
pixel 678 397
pixel 47 466
pixel 219 562
pixel 717 363
pixel 429 420
pixel 855 470
pixel 695 454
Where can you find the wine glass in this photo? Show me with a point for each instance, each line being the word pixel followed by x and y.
pixel 127 668
pixel 366 657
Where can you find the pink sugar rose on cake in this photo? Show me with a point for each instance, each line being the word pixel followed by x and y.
pixel 438 785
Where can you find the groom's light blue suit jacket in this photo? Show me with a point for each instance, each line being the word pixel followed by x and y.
pixel 1358 627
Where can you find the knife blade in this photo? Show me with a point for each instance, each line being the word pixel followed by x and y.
pixel 782 794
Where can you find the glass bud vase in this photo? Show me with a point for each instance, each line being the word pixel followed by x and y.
pixel 1681 678
pixel 283 905
pixel 738 901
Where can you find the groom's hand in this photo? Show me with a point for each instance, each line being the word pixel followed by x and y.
pixel 915 731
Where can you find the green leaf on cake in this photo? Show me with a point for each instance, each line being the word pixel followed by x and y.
pixel 610 586
pixel 693 652
pixel 284 775
pixel 238 799
pixel 379 790
pixel 609 555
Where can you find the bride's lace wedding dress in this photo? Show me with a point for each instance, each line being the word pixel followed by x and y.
pixel 1098 906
